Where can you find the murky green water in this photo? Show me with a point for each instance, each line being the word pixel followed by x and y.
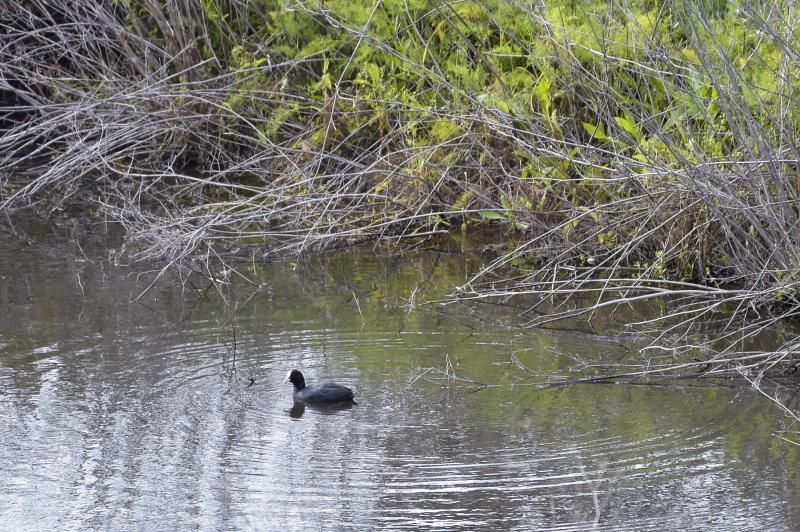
pixel 137 416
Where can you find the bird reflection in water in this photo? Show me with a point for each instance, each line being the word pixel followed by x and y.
pixel 299 408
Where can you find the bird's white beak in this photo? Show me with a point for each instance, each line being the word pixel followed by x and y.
pixel 288 374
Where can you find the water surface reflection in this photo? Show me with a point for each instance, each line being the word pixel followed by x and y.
pixel 121 416
pixel 299 408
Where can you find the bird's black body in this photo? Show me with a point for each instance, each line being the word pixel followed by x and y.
pixel 327 392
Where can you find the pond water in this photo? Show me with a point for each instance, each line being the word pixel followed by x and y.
pixel 121 415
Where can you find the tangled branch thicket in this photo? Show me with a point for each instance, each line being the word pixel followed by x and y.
pixel 634 149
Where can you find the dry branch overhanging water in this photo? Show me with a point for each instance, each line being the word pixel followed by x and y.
pixel 626 150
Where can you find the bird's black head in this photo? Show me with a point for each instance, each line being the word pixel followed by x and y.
pixel 296 378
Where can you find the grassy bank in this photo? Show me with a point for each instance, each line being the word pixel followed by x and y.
pixel 636 149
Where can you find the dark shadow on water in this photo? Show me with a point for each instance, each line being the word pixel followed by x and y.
pixel 299 408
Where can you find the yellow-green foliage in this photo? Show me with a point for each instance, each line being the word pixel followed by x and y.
pixel 653 56
pixel 645 80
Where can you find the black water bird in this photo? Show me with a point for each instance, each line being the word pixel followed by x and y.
pixel 327 392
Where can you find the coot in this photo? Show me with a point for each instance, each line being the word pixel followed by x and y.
pixel 327 392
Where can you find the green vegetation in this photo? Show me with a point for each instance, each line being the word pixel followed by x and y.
pixel 629 149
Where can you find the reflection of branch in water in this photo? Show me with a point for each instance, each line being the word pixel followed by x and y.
pixel 411 302
pixel 700 373
pixel 715 371
pixel 448 378
pixel 595 498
